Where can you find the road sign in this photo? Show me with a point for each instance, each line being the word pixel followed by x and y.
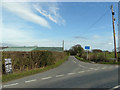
pixel 87 47
pixel 8 65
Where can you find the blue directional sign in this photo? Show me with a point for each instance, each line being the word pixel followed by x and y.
pixel 87 47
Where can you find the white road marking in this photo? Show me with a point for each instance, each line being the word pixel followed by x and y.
pixel 116 87
pixel 81 71
pixel 30 81
pixel 95 69
pixel 103 68
pixel 46 78
pixel 88 70
pixel 117 66
pixel 91 68
pixel 82 66
pixel 60 75
pixel 70 73
pixel 74 61
pixel 10 85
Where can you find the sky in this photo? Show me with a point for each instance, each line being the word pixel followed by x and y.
pixel 47 24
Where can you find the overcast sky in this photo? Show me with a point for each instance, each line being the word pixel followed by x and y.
pixel 47 24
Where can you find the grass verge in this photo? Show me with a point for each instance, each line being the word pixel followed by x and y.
pixel 81 59
pixel 13 76
pixel 110 63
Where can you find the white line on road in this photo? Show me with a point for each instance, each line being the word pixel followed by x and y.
pixel 82 66
pixel 91 68
pixel 46 78
pixel 30 81
pixel 60 75
pixel 81 71
pixel 117 66
pixel 88 70
pixel 70 73
pixel 95 69
pixel 116 87
pixel 10 85
pixel 74 61
pixel 103 68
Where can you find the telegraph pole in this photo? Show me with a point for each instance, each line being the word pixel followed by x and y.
pixel 63 45
pixel 113 19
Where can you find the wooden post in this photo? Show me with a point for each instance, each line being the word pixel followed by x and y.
pixel 115 51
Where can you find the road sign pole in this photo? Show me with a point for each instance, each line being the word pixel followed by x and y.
pixel 87 48
pixel 87 54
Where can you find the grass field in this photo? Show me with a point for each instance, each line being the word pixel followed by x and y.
pixel 9 77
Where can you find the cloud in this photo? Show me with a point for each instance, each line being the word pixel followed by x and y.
pixel 96 36
pixel 51 11
pixel 24 11
pixel 110 43
pixel 80 37
pixel 14 34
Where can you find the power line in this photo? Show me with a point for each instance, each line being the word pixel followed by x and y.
pixel 100 18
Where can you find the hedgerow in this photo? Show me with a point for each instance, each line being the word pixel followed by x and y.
pixel 22 61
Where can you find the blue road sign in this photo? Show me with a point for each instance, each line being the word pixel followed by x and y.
pixel 87 47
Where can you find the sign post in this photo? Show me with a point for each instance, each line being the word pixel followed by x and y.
pixel 8 65
pixel 87 48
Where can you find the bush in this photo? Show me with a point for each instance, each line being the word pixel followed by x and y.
pixel 84 56
pixel 96 57
pixel 22 61
pixel 76 50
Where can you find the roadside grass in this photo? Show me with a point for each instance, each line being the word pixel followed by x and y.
pixel 13 76
pixel 111 62
pixel 81 59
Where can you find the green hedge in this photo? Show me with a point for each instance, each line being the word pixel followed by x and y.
pixel 22 61
pixel 17 75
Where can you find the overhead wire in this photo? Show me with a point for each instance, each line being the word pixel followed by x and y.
pixel 100 18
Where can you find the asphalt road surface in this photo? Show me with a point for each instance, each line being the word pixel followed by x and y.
pixel 71 74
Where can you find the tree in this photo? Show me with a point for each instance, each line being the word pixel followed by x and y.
pixel 96 50
pixel 76 50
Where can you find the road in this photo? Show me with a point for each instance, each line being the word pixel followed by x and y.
pixel 71 74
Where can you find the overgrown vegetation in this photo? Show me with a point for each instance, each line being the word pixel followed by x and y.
pixel 96 55
pixel 24 61
pixel 17 75
pixel 76 50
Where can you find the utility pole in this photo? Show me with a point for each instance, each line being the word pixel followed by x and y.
pixel 113 19
pixel 63 45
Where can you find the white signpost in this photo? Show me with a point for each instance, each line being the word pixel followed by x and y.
pixel 87 48
pixel 8 65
